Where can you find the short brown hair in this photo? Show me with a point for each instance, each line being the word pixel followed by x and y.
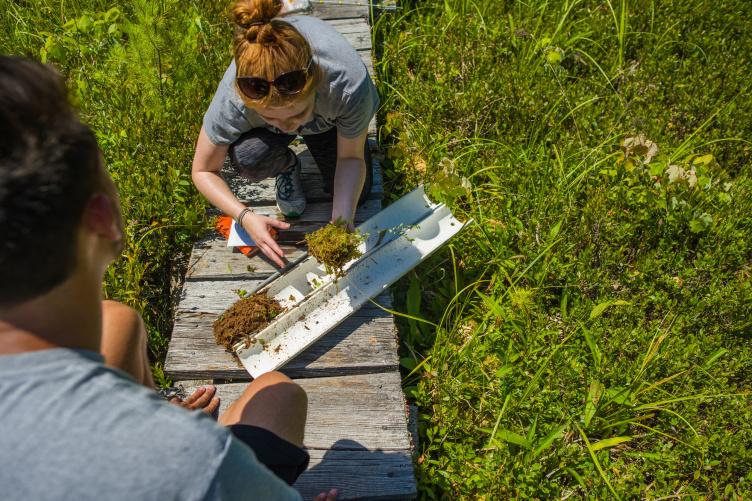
pixel 49 169
pixel 266 46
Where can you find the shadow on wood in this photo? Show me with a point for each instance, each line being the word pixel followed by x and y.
pixel 358 473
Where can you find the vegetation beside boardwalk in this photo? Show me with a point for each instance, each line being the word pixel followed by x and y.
pixel 589 335
pixel 142 73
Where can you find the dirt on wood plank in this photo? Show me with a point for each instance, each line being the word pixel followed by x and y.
pixel 244 318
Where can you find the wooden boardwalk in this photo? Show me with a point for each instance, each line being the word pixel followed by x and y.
pixel 357 431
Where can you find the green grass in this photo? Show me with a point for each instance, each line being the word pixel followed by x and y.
pixel 588 335
pixel 142 73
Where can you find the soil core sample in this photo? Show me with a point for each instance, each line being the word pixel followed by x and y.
pixel 334 247
pixel 245 318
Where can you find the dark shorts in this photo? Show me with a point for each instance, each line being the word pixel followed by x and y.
pixel 260 154
pixel 286 460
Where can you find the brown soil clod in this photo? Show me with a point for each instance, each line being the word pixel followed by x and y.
pixel 334 247
pixel 244 318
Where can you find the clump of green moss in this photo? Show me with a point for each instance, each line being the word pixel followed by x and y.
pixel 334 246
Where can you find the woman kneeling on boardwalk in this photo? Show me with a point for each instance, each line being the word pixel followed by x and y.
pixel 289 77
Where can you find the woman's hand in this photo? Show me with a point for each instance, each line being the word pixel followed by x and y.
pixel 257 226
pixel 207 162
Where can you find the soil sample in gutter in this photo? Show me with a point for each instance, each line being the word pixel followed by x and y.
pixel 245 318
pixel 334 247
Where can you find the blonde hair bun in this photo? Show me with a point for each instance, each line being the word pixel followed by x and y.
pixel 253 19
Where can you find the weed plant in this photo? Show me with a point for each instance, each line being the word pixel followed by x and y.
pixel 588 336
pixel 142 73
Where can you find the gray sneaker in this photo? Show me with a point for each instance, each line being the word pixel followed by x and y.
pixel 291 199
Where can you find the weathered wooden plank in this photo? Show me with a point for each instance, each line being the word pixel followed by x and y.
pixel 212 258
pixel 199 326
pixel 358 345
pixel 346 26
pixel 215 296
pixel 355 31
pixel 364 342
pixel 366 409
pixel 359 474
pixel 330 11
pixel 356 435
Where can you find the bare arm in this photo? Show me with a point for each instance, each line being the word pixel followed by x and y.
pixel 349 177
pixel 207 163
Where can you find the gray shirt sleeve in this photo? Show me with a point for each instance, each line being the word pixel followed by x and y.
pixel 240 476
pixel 356 111
pixel 225 120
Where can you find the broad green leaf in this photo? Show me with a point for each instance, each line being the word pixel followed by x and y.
pixel 504 370
pixel 555 230
pixel 594 396
pixel 619 395
pixel 408 363
pixel 656 169
pixel 513 438
pixel 609 442
pixel 602 307
pixel 715 356
pixel 703 160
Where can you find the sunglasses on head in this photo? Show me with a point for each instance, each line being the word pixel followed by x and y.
pixel 287 84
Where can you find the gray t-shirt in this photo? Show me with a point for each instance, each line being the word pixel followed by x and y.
pixel 75 429
pixel 346 97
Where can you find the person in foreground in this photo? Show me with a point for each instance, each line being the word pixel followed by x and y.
pixel 78 411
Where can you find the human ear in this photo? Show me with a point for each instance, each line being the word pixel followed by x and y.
pixel 101 219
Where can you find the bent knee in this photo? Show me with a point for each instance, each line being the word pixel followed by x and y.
pixel 122 312
pixel 282 386
pixel 273 378
pixel 122 322
pixel 256 161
